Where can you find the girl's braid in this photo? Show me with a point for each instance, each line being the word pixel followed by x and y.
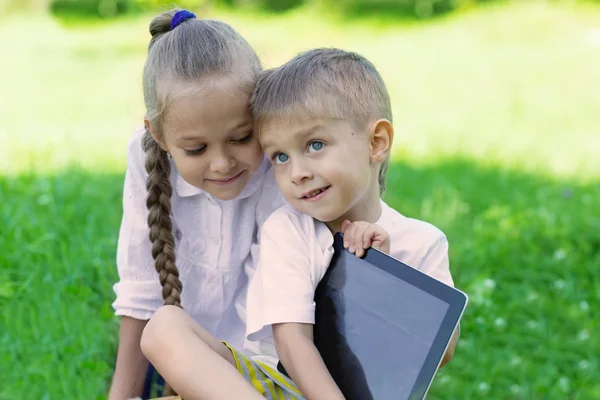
pixel 159 219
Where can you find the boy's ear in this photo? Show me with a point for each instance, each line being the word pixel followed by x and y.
pixel 381 137
pixel 150 127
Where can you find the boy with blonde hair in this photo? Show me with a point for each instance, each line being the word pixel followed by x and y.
pixel 324 119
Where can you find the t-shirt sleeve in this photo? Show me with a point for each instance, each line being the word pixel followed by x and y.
pixel 282 290
pixel 138 292
pixel 435 261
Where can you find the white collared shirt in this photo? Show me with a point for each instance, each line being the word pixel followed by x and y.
pixel 216 245
pixel 295 253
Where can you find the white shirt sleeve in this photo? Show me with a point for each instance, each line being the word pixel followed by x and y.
pixel 139 293
pixel 435 262
pixel 284 285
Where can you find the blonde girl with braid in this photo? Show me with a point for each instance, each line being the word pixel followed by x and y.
pixel 197 190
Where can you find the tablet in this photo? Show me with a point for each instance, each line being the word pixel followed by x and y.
pixel 381 326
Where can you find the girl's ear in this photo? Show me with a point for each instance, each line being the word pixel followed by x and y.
pixel 150 127
pixel 381 136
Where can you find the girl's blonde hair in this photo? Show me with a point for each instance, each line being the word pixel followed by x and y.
pixel 193 51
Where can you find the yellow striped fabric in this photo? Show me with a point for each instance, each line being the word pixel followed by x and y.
pixel 270 383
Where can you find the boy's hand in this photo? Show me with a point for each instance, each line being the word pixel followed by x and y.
pixel 361 235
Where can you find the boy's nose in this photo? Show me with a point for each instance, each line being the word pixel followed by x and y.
pixel 300 173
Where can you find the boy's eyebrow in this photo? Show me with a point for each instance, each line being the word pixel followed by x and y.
pixel 299 134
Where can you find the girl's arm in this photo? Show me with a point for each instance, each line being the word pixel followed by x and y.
pixel 195 363
pixel 302 361
pixel 138 292
pixel 131 368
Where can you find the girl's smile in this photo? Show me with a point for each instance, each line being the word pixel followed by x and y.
pixel 226 181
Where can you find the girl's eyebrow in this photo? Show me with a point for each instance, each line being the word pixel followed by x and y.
pixel 243 124
pixel 188 138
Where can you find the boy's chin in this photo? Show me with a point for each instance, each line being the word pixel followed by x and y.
pixel 325 212
pixel 325 217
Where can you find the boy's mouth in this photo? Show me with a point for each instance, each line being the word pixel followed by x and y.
pixel 315 194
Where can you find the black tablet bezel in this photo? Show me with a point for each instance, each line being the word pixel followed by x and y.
pixel 455 299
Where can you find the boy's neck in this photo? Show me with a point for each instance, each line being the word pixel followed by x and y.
pixel 367 210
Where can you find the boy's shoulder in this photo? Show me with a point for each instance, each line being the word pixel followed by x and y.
pixel 287 224
pixel 399 227
pixel 398 224
pixel 286 217
pixel 409 237
pixel 417 243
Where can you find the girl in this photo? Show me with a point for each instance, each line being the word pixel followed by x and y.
pixel 200 172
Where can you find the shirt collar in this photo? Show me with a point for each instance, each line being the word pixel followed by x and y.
pixel 185 189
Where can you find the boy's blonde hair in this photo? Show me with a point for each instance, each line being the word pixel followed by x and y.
pixel 330 83
pixel 192 51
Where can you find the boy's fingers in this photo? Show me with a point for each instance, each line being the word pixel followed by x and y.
pixel 358 236
pixel 353 233
pixel 345 225
pixel 359 252
pixel 350 235
pixel 348 240
pixel 368 235
pixel 347 230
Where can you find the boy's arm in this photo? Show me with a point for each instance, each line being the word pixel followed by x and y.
pixel 451 347
pixel 302 361
pixel 436 264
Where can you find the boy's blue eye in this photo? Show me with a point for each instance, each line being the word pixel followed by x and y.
pixel 316 146
pixel 280 158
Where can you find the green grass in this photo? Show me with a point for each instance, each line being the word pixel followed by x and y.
pixel 497 143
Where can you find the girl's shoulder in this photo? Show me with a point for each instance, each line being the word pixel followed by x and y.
pixel 135 153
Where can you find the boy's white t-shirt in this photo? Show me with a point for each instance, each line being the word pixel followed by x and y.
pixel 295 253
pixel 216 244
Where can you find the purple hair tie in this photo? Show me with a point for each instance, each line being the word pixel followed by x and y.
pixel 181 16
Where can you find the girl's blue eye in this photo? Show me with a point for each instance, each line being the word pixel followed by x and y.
pixel 280 158
pixel 316 146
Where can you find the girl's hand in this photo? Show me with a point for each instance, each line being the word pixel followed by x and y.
pixel 361 235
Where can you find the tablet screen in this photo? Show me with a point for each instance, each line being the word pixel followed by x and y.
pixel 375 330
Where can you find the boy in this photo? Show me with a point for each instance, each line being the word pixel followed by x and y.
pixel 324 120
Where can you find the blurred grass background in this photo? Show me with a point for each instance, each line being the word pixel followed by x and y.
pixel 498 143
